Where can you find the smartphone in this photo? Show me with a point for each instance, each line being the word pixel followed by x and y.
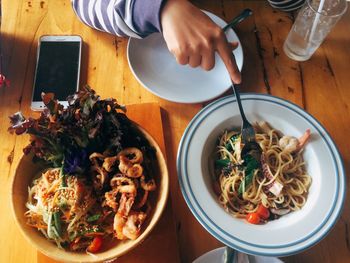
pixel 57 68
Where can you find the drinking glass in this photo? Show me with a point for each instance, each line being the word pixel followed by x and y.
pixel 314 21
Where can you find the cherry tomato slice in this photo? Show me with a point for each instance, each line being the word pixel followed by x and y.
pixel 263 212
pixel 253 218
pixel 95 245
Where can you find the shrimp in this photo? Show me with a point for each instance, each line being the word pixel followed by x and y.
pixel 133 224
pixel 125 203
pixel 118 224
pixel 289 143
pixel 304 138
pixel 292 144
pixel 128 227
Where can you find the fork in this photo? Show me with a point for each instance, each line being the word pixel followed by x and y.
pixel 238 19
pixel 247 132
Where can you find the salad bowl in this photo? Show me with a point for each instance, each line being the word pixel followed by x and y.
pixel 27 170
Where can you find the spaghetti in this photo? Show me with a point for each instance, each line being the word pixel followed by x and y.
pixel 273 185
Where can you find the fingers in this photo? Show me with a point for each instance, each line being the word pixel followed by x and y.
pixel 208 57
pixel 182 58
pixel 208 60
pixel 205 57
pixel 195 60
pixel 225 52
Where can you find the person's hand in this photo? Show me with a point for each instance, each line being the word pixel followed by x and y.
pixel 193 38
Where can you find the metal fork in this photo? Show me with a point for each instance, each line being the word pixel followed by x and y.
pixel 238 19
pixel 247 131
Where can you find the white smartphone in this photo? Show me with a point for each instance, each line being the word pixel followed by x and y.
pixel 57 68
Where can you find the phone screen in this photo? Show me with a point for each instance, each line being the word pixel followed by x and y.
pixel 57 69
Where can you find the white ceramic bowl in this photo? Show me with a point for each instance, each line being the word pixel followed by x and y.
pixel 23 177
pixel 289 234
pixel 217 254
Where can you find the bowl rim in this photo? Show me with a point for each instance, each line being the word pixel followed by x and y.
pixel 158 211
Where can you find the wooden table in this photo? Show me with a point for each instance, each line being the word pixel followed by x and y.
pixel 320 86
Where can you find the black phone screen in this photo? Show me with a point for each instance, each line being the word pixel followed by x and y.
pixel 57 69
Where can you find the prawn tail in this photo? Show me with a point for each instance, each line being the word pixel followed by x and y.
pixel 304 139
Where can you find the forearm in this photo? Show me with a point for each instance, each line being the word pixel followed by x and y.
pixel 135 18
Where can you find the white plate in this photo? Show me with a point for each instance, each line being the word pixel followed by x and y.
pixel 216 256
pixel 290 234
pixel 157 70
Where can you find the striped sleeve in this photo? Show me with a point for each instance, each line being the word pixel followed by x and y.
pixel 134 18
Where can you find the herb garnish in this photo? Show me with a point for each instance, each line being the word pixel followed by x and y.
pixel 251 165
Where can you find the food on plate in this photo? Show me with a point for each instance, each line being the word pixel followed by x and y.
pixel 261 188
pixel 98 172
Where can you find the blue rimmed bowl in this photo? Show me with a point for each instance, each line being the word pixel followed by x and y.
pixel 291 233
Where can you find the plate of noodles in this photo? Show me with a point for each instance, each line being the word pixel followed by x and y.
pixel 280 203
pixel 92 184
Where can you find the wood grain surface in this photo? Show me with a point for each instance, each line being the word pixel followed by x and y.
pixel 319 85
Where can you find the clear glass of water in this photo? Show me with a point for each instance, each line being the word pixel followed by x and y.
pixel 314 21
